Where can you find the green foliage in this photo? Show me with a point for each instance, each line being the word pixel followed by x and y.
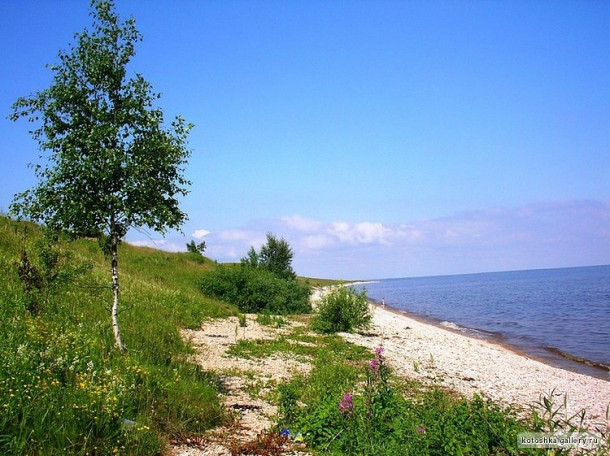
pixel 262 282
pixel 111 163
pixel 343 309
pixel 359 410
pixel 255 290
pixel 52 271
pixel 287 403
pixel 197 249
pixel 64 390
pixel 266 319
pixel 275 256
pixel 251 259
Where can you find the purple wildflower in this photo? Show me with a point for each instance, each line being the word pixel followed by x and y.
pixel 421 430
pixel 374 366
pixel 379 350
pixel 346 406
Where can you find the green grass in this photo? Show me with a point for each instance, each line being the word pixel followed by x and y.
pixel 267 319
pixel 298 342
pixel 64 389
pixel 351 408
pixel 318 283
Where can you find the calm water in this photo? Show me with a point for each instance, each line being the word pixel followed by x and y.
pixel 547 313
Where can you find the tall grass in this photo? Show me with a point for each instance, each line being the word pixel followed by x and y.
pixel 63 387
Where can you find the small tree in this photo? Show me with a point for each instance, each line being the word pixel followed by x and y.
pixel 276 256
pixel 111 163
pixel 251 259
pixel 196 248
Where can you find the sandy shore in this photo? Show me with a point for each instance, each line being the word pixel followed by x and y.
pixel 468 365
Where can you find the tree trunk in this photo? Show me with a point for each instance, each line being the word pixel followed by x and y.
pixel 115 293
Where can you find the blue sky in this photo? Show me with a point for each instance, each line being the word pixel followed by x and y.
pixel 381 139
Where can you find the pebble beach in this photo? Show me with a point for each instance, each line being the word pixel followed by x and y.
pixel 471 366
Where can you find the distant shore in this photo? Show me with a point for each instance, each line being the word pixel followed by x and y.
pixel 468 365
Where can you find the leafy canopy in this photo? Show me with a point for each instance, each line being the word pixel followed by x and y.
pixel 110 162
pixel 274 256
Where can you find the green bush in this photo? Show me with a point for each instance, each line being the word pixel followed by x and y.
pixel 343 309
pixel 255 290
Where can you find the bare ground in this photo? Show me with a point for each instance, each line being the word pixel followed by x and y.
pixel 247 384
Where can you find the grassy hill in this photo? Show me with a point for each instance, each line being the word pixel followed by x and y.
pixel 63 387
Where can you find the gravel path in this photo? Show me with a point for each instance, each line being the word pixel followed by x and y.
pixel 246 382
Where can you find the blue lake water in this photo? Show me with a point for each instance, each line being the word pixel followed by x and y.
pixel 551 314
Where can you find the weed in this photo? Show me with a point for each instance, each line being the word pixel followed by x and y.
pixel 361 408
pixel 267 443
pixel 551 416
pixel 266 319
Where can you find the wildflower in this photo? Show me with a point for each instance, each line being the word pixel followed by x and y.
pixel 346 406
pixel 421 430
pixel 374 366
pixel 379 350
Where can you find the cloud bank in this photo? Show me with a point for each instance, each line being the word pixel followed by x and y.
pixel 560 234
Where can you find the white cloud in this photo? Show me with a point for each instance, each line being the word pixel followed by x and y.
pixel 316 242
pixel 409 233
pixel 234 235
pixel 534 236
pixel 200 234
pixel 359 233
pixel 304 224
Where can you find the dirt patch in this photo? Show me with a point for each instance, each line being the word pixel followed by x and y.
pixel 247 384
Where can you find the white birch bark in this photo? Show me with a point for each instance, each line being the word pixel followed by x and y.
pixel 115 294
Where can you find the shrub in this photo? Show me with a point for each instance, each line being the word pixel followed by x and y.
pixel 256 290
pixel 342 310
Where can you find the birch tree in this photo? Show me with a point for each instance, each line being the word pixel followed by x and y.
pixel 108 161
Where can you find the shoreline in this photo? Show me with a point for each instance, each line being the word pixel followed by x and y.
pixel 550 356
pixel 469 365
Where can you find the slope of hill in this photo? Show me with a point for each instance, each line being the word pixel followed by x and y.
pixel 64 389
